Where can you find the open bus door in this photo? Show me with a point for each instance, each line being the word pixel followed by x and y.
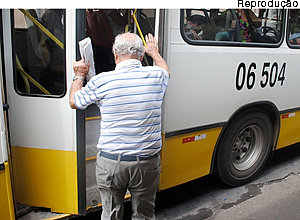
pixel 39 46
pixel 102 27
pixel 6 202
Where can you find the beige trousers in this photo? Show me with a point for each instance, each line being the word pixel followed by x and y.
pixel 141 178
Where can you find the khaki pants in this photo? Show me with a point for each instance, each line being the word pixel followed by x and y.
pixel 141 178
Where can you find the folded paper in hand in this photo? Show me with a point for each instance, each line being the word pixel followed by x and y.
pixel 86 52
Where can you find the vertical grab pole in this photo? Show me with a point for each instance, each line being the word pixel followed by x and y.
pixel 157 18
pixel 138 27
pixel 156 28
pixel 141 33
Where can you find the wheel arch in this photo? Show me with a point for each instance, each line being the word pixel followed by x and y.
pixel 266 107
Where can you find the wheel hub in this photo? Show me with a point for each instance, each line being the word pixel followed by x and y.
pixel 247 147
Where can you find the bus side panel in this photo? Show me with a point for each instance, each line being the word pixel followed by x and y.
pixel 6 201
pixel 207 84
pixel 187 157
pixel 289 131
pixel 52 182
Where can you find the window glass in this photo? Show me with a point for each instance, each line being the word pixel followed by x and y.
pixel 294 27
pixel 233 25
pixel 39 36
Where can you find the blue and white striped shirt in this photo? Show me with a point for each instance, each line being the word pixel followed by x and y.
pixel 130 99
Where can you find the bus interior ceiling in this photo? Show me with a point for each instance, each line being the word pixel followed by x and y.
pixel 102 26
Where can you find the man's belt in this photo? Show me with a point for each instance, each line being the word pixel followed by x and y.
pixel 126 157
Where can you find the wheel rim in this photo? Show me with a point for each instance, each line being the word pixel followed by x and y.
pixel 247 147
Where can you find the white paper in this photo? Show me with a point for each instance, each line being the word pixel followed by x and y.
pixel 86 52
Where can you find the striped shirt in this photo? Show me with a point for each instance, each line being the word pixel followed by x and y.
pixel 130 99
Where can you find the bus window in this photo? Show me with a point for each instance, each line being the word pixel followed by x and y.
pixel 294 27
pixel 226 25
pixel 39 36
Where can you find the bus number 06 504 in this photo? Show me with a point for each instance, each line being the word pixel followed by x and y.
pixel 271 74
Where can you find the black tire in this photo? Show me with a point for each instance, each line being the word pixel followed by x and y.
pixel 244 148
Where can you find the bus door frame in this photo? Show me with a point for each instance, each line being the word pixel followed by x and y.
pixel 80 123
pixel 7 208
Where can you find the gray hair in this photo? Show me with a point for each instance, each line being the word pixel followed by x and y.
pixel 129 44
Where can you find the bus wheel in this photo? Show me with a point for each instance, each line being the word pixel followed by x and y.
pixel 244 148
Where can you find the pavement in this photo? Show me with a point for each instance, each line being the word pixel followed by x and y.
pixel 278 199
pixel 273 195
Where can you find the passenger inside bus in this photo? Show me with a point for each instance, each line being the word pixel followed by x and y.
pixel 99 30
pixel 194 23
pixel 240 25
pixel 246 19
pixel 294 27
pixel 103 25
pixel 208 25
pixel 52 75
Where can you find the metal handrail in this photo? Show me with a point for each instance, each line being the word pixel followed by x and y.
pixel 45 30
pixel 27 77
pixel 138 27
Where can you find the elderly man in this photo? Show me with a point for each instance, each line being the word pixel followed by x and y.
pixel 130 99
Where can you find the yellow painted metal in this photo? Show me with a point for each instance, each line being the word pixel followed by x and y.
pixel 289 130
pixel 138 27
pixel 42 28
pixel 46 178
pixel 6 198
pixel 126 28
pixel 23 74
pixel 90 158
pixel 93 118
pixel 27 77
pixel 182 162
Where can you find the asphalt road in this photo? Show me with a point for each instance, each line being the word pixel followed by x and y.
pixel 275 194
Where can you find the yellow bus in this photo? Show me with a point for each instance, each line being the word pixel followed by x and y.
pixel 232 100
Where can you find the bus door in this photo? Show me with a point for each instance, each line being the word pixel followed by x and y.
pixel 39 47
pixel 102 26
pixel 6 201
